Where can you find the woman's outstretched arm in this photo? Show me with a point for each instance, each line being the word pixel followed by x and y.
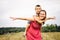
pixel 29 19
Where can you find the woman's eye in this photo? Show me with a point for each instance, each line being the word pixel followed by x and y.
pixel 43 14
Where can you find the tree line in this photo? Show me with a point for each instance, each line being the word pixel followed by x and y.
pixel 47 28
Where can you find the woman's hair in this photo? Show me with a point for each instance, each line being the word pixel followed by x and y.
pixel 45 16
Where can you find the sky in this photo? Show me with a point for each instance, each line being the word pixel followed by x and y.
pixel 26 8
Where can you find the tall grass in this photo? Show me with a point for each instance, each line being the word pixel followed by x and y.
pixel 19 36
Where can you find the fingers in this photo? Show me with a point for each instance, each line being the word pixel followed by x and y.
pixel 13 18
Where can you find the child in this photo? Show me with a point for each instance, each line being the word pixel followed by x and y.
pixel 37 10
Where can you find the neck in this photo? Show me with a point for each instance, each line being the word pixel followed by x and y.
pixel 37 15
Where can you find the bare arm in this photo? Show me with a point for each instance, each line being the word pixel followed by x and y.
pixel 38 20
pixel 29 19
pixel 41 21
pixel 50 18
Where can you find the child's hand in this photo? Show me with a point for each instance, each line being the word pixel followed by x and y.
pixel 53 17
pixel 13 18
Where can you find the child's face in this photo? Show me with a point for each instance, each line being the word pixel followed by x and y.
pixel 37 9
pixel 42 15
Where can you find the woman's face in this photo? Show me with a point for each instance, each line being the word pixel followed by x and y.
pixel 42 15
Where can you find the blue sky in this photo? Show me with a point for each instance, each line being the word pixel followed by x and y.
pixel 26 8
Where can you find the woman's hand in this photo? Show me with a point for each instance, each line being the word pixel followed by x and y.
pixel 13 18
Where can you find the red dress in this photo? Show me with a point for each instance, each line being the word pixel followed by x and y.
pixel 34 31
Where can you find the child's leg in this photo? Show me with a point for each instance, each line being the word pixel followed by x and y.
pixel 26 29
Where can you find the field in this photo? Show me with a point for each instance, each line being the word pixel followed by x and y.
pixel 19 36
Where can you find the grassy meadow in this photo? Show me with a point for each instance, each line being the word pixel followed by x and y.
pixel 19 36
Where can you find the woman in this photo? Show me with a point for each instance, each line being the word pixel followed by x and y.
pixel 34 30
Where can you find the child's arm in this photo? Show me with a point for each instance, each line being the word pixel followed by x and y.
pixel 38 20
pixel 50 18
pixel 41 21
pixel 29 19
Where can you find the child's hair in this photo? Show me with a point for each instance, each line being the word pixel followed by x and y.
pixel 45 16
pixel 37 5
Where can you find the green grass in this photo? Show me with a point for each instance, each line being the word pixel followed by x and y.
pixel 19 36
